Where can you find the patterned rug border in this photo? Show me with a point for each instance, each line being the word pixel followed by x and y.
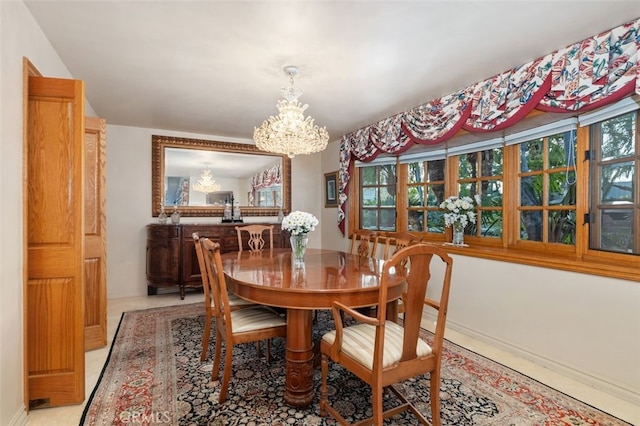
pixel 195 304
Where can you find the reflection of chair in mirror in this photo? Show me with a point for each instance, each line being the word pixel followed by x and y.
pixel 235 302
pixel 364 243
pixel 381 352
pixel 250 324
pixel 256 236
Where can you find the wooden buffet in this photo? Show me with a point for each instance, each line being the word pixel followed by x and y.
pixel 171 255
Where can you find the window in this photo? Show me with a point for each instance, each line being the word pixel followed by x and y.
pixel 614 204
pixel 557 195
pixel 547 182
pixel 378 197
pixel 425 192
pixel 481 173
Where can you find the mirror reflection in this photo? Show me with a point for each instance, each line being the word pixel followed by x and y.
pixel 202 178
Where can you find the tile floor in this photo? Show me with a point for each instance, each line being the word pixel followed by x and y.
pixel 95 360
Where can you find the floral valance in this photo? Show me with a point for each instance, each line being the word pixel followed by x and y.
pixel 579 77
pixel 266 178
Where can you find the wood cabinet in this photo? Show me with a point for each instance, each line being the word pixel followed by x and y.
pixel 171 255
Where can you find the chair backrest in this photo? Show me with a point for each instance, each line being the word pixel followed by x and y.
pixel 364 243
pixel 398 240
pixel 203 273
pixel 256 236
pixel 413 264
pixel 217 283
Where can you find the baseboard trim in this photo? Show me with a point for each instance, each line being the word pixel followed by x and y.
pixel 19 418
pixel 614 389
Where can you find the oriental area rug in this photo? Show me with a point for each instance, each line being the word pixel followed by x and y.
pixel 153 375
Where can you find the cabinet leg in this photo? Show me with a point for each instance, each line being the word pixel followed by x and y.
pixel 182 292
pixel 152 291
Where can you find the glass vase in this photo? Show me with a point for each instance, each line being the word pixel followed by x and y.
pixel 458 234
pixel 299 247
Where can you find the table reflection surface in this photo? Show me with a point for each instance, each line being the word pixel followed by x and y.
pixel 271 277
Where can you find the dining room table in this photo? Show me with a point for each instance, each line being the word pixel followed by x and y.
pixel 272 277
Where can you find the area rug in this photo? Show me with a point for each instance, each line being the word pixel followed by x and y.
pixel 153 375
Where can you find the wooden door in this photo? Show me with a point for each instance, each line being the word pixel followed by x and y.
pixel 95 234
pixel 54 218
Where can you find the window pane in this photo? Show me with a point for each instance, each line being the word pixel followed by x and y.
pixel 560 191
pixel 369 196
pixel 562 150
pixel 388 219
pixel 617 230
pixel 388 196
pixel 531 191
pixel 435 170
pixel 467 166
pixel 387 174
pixel 435 195
pixel 416 172
pixel 435 221
pixel 491 223
pixel 416 196
pixel 616 183
pixel 531 155
pixel 618 137
pixel 369 219
pixel 562 226
pixel 369 175
pixel 491 164
pixel 531 225
pixel 415 221
pixel 465 189
pixel 492 193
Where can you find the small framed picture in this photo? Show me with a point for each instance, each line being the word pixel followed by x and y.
pixel 331 189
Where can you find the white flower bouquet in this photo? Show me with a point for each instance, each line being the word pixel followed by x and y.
pixel 460 210
pixel 298 223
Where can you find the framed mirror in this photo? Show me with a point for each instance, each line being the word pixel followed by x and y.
pixel 200 177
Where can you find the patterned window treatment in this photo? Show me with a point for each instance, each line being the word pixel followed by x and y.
pixel 580 77
pixel 266 178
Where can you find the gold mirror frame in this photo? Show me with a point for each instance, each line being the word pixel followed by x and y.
pixel 158 145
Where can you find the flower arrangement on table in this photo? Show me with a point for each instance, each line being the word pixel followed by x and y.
pixel 299 224
pixel 459 211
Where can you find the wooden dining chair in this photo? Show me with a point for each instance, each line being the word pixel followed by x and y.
pixel 381 352
pixel 364 243
pixel 394 241
pixel 235 302
pixel 248 324
pixel 256 236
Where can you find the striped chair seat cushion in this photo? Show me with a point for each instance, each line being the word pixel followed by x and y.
pixel 358 341
pixel 235 300
pixel 255 318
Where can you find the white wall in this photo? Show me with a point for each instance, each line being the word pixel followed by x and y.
pixel 129 203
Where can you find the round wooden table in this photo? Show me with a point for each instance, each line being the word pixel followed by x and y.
pixel 272 278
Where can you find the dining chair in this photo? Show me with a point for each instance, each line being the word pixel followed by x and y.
pixel 248 324
pixel 394 241
pixel 256 236
pixel 364 243
pixel 381 352
pixel 235 302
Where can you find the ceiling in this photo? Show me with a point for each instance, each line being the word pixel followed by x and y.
pixel 216 67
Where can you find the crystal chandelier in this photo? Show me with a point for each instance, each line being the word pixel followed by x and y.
pixel 290 132
pixel 206 183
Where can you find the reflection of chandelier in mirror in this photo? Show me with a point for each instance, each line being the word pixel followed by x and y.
pixel 290 132
pixel 206 183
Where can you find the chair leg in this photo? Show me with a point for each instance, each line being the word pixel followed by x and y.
pixel 226 376
pixel 267 355
pixel 205 337
pixel 323 387
pixel 216 357
pixel 434 396
pixel 376 399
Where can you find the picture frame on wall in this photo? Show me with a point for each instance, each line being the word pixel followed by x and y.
pixel 331 189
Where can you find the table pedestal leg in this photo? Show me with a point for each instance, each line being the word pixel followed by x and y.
pixel 298 390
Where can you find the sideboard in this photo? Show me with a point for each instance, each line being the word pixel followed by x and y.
pixel 171 255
